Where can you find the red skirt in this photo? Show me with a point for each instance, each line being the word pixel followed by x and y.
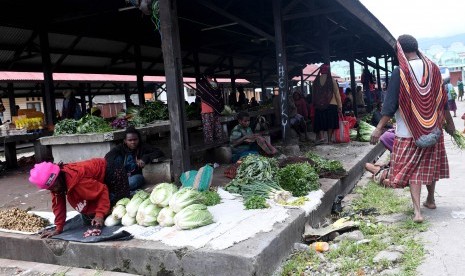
pixel 417 166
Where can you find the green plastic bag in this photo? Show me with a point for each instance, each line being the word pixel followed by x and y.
pixel 199 180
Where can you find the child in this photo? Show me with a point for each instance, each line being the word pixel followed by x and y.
pixel 244 141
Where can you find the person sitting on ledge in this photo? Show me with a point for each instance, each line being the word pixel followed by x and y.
pixel 129 159
pixel 244 141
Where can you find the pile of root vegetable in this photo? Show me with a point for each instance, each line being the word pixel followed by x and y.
pixel 21 220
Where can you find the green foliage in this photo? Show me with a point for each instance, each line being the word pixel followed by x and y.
pixel 255 202
pixel 66 126
pixel 323 165
pixel 299 179
pixel 92 124
pixel 383 199
pixel 211 198
pixel 255 168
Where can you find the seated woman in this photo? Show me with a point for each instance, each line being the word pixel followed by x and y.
pixel 298 115
pixel 128 159
pixel 244 141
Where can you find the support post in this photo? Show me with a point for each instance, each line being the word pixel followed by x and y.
pixel 281 59
pixel 127 95
pixel 353 86
pixel 378 75
pixel 302 91
pixel 264 96
pixel 82 94
pixel 140 75
pixel 89 94
pixel 197 67
pixel 12 100
pixel 49 97
pixel 386 69
pixel 232 75
pixel 171 48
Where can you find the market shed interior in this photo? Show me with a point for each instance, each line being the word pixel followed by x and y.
pixel 265 42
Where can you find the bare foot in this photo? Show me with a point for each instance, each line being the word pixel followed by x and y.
pixel 429 205
pixel 372 168
pixel 418 219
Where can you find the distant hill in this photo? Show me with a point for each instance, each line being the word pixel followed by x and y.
pixel 425 43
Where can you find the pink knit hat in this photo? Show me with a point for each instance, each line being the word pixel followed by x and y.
pixel 44 175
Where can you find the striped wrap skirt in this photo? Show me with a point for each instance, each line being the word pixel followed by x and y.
pixel 417 166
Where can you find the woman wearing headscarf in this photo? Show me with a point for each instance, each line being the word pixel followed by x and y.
pixel 80 184
pixel 327 104
pixel 418 100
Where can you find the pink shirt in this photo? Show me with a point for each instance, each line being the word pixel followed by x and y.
pixel 206 108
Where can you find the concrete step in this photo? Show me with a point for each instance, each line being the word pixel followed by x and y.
pixel 13 267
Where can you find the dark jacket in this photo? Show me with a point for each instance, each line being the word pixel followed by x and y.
pixel 117 173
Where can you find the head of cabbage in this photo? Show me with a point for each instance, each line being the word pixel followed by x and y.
pixel 162 193
pixel 185 197
pixel 147 213
pixel 193 216
pixel 166 217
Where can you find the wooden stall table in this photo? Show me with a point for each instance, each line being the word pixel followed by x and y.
pixel 9 140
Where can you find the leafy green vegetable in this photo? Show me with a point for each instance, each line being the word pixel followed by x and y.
pixel 458 139
pixel 193 216
pixel 66 126
pixel 266 189
pixel 256 202
pixel 154 111
pixel 364 131
pixel 255 168
pixel 324 166
pixel 185 197
pixel 162 193
pixel 299 179
pixel 92 124
pixel 211 198
pixel 166 217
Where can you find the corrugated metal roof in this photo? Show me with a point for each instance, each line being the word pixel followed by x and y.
pixel 6 76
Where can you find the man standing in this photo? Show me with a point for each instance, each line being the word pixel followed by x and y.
pixel 420 108
pixel 460 88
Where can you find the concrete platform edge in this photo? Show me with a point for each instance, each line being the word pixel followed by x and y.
pixel 260 255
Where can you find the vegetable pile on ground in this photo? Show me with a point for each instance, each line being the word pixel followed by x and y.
pixel 20 220
pixel 92 124
pixel 140 116
pixel 255 168
pixel 326 168
pixel 299 179
pixel 87 124
pixel 66 126
pixel 166 205
pixel 364 131
pixel 259 178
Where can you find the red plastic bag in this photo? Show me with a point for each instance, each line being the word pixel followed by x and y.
pixel 342 134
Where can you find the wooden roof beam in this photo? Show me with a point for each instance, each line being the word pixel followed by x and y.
pixel 236 19
pixel 310 13
pixel 65 55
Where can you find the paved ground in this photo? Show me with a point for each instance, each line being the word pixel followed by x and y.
pixel 445 243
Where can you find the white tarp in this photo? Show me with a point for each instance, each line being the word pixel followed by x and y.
pixel 233 224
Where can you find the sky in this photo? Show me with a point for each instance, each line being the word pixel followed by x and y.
pixel 420 18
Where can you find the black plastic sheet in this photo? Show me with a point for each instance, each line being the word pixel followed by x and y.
pixel 74 231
